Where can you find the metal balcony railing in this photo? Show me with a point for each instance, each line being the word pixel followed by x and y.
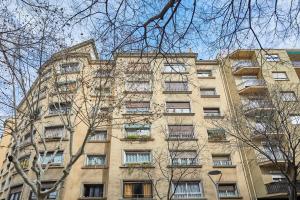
pixel 184 161
pixel 271 157
pixel 244 63
pixel 228 194
pixel 251 83
pixel 256 104
pixel 181 135
pixel 279 187
pixel 187 196
pixel 222 162
pixel 178 110
pixel 296 64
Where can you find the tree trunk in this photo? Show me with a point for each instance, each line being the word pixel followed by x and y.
pixel 292 192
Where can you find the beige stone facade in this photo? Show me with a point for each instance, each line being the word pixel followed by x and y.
pixel 188 94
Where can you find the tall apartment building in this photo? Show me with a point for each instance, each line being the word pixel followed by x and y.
pixel 159 137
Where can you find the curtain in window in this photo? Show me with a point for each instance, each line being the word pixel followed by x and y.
pixel 128 190
pixel 95 160
pixel 147 189
pixel 176 86
pixel 54 132
pixel 137 157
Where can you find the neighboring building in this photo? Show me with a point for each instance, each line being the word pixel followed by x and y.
pixel 185 94
pixel 251 78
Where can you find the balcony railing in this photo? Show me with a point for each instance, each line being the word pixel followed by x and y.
pixel 181 135
pixel 228 194
pixel 184 161
pixel 216 134
pixel 296 64
pixel 178 110
pixel 187 196
pixel 243 63
pixel 279 187
pixel 178 88
pixel 222 162
pixel 256 104
pixel 271 157
pixel 251 83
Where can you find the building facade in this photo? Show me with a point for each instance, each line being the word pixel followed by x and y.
pixel 155 136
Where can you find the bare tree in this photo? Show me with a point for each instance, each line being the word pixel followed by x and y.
pixel 267 127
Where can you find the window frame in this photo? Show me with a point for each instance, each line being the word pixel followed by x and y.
pixel 206 73
pixel 285 99
pixel 95 165
pixel 85 184
pixel 98 140
pixel 199 183
pixel 279 79
pixel 272 58
pixel 124 182
pixel 172 70
pixel 137 152
pixel 181 109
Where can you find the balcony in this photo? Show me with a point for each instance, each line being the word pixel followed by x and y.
pixel 245 67
pixel 263 130
pixel 252 107
pixel 265 161
pixel 184 162
pixel 252 86
pixel 187 196
pixel 279 187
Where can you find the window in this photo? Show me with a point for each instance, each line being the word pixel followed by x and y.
pixel 184 158
pixel 95 160
pixel 137 189
pixel 295 119
pixel 216 134
pixel 174 68
pixel 98 136
pixel 103 73
pixel 138 86
pixel 176 86
pixel 47 73
pixel 288 96
pixel 52 159
pixel 45 186
pixel 102 91
pixel 221 160
pixel 69 86
pixel 54 132
pixel 279 76
pixel 134 131
pixel 93 190
pixel 24 162
pixel 132 157
pixel 59 108
pixel 178 107
pixel 272 58
pixel 227 190
pixel 27 138
pixel 69 68
pixel 272 150
pixel 204 73
pixel 15 193
pixel 208 91
pixel 137 107
pixel 187 190
pixel 211 112
pixel 181 132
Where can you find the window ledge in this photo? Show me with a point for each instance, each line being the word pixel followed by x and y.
pixel 99 141
pixel 139 72
pixel 54 140
pixel 178 114
pixel 92 198
pixel 225 166
pixel 137 139
pixel 56 115
pixel 149 198
pixel 238 197
pixel 138 92
pixel 137 113
pixel 174 72
pixel 281 80
pixel 181 139
pixel 137 166
pixel 102 96
pixel 214 117
pixel 54 166
pixel 65 73
pixel 212 77
pixel 185 166
pixel 177 92
pixel 216 140
pixel 95 167
pixel 210 96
